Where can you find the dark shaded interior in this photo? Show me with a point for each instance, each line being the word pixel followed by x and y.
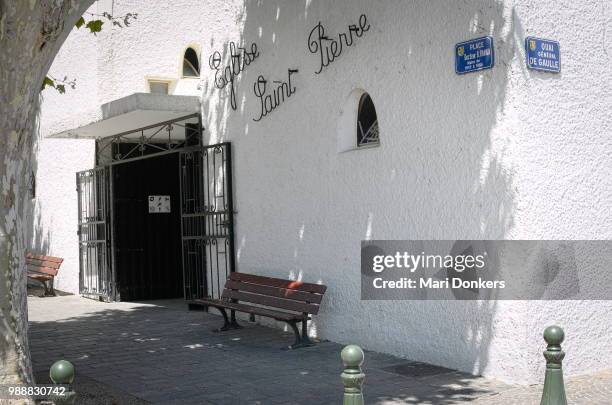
pixel 147 245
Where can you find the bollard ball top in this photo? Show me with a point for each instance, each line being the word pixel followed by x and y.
pixel 554 335
pixel 62 372
pixel 352 356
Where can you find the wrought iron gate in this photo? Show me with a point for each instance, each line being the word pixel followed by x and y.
pixel 95 275
pixel 207 219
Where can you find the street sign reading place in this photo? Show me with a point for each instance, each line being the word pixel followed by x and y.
pixel 474 55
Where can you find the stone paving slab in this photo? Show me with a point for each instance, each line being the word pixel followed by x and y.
pixel 161 353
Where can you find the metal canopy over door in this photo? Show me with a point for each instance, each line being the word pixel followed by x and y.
pixel 96 279
pixel 207 219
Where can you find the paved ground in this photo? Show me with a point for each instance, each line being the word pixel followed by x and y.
pixel 127 353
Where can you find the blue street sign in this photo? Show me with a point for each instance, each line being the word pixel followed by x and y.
pixel 543 54
pixel 474 55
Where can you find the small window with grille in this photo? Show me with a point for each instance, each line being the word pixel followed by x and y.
pixel 367 122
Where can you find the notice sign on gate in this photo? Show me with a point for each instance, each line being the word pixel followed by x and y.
pixel 159 204
pixel 474 55
pixel 543 54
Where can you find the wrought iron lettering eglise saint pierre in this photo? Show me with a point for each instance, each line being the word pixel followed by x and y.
pixel 328 48
pixel 239 59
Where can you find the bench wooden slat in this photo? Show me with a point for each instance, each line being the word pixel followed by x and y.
pixel 44 258
pixel 278 282
pixel 43 263
pixel 42 270
pixel 250 309
pixel 40 277
pixel 275 302
pixel 295 295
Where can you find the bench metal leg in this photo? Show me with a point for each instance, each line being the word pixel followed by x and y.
pixel 227 323
pixel 305 339
pixel 51 289
pixel 300 340
pixel 48 289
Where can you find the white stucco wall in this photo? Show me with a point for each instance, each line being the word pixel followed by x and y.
pixel 507 153
pixel 55 215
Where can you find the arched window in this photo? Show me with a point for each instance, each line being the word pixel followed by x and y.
pixel 191 64
pixel 367 122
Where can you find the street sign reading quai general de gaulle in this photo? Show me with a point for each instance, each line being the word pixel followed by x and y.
pixel 543 54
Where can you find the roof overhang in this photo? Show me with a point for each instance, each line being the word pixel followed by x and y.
pixel 133 112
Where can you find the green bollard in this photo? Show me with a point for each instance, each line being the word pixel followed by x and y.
pixel 62 372
pixel 352 376
pixel 554 390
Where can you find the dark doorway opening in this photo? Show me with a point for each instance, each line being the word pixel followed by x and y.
pixel 148 253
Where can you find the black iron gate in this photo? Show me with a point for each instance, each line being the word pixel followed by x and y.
pixel 95 275
pixel 207 219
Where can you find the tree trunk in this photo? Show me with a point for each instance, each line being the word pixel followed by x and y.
pixel 31 33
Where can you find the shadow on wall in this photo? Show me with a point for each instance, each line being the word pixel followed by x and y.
pixel 39 237
pixel 39 242
pixel 451 162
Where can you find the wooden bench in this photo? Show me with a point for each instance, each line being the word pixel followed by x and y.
pixel 43 269
pixel 283 300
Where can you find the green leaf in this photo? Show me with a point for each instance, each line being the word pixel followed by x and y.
pixel 80 22
pixel 60 88
pixel 95 26
pixel 48 82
